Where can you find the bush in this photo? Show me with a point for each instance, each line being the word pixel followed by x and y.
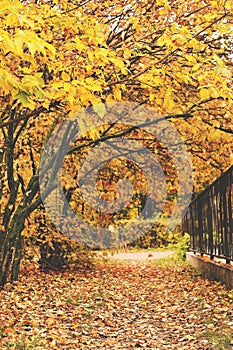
pixel 182 246
pixel 54 253
pixel 158 237
pixel 57 252
pixel 46 246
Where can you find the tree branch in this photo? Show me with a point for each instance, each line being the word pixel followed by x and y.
pixel 34 113
pixel 229 131
pixel 128 131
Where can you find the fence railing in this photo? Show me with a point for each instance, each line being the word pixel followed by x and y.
pixel 209 221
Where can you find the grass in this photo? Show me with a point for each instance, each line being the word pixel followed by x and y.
pixel 33 343
pixel 168 261
pixel 219 340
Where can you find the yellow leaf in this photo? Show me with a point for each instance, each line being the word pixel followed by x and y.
pixel 79 44
pixel 228 5
pixel 219 61
pixel 168 103
pixel 33 47
pixel 100 109
pixel 214 135
pixel 11 19
pixel 216 123
pixel 152 97
pixel 205 93
pixel 94 134
pixel 65 76
pixel 117 94
pixel 222 70
pixel 119 63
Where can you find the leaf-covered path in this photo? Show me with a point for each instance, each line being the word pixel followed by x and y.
pixel 117 306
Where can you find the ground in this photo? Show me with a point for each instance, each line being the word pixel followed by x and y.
pixel 117 305
pixel 141 255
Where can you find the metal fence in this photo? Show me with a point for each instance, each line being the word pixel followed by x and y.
pixel 209 221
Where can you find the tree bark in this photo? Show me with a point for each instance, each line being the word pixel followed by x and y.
pixel 11 249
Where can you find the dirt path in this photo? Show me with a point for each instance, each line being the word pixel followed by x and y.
pixel 142 255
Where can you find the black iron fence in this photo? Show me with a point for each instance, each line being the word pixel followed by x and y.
pixel 209 221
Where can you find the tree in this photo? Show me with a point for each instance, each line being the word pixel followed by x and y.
pixel 48 59
pixel 57 58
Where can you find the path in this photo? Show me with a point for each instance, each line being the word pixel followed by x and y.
pixel 142 255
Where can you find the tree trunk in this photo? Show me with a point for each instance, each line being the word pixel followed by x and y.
pixel 11 249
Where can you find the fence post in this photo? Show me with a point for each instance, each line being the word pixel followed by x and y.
pixel 200 226
pixel 192 227
pixel 223 195
pixel 210 224
pixel 230 205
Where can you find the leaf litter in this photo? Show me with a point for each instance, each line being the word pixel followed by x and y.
pixel 116 305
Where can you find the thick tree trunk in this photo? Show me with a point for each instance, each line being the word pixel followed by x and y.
pixel 18 253
pixel 11 250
